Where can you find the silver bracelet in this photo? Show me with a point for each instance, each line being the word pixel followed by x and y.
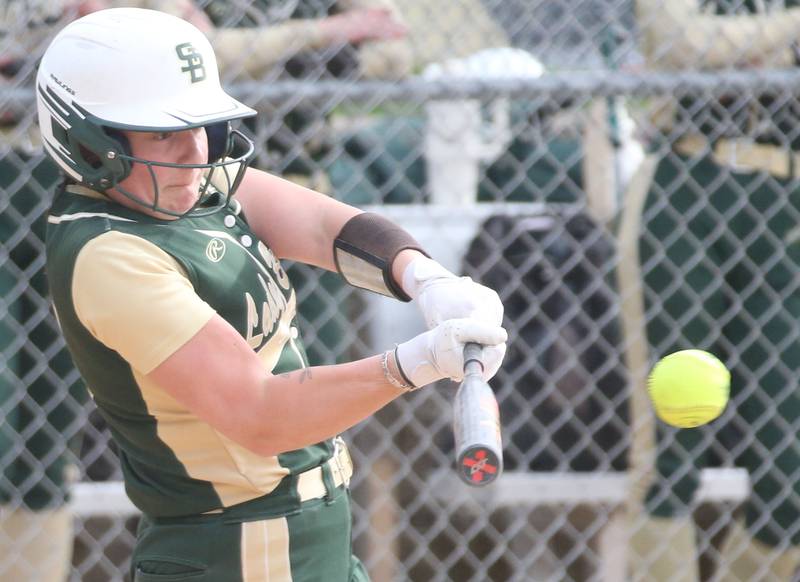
pixel 390 377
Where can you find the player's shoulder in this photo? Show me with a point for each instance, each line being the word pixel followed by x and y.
pixel 80 216
pixel 116 247
pixel 79 211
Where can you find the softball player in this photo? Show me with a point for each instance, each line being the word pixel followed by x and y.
pixel 175 307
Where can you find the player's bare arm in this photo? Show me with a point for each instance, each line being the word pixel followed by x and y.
pixel 301 224
pixel 218 377
pixel 297 223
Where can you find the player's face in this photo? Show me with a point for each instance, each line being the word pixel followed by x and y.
pixel 178 188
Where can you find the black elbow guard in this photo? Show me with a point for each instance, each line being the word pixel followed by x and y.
pixel 365 249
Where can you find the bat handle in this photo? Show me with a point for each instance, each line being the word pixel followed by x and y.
pixel 473 359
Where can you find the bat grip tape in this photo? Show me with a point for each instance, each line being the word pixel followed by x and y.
pixel 473 358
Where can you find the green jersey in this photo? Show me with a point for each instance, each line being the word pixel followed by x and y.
pixel 129 290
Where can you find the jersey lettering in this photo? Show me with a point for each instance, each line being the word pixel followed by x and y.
pixel 274 265
pixel 271 311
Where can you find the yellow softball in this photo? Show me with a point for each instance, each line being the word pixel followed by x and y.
pixel 689 388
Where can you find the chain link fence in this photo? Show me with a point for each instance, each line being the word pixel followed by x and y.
pixel 622 173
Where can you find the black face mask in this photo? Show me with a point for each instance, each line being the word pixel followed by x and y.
pixel 226 171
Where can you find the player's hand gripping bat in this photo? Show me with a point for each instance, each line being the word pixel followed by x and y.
pixel 476 424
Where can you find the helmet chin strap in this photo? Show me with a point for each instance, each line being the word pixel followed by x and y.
pixel 207 189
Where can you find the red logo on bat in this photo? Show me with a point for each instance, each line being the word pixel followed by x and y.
pixel 478 467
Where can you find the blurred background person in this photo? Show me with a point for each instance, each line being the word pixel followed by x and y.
pixel 715 215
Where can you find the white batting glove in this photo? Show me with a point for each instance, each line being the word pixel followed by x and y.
pixel 441 295
pixel 439 353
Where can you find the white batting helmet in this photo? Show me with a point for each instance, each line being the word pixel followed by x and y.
pixel 132 69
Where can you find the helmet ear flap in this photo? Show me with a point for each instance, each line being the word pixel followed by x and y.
pixel 220 140
pixel 121 139
pixel 111 159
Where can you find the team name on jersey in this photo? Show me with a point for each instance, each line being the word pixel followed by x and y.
pixel 263 310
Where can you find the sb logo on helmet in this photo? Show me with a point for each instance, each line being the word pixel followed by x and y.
pixel 194 61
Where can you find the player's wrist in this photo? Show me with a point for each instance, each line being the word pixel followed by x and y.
pixel 404 377
pixel 393 373
pixel 414 357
